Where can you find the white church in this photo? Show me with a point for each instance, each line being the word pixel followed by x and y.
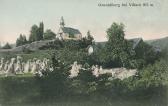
pixel 68 32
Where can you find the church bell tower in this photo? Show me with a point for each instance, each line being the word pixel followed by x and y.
pixel 62 23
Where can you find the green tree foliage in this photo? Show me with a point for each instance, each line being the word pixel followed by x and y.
pixel 145 54
pixel 86 41
pixel 49 35
pixel 36 33
pixel 117 52
pixel 41 31
pixel 89 37
pixel 118 47
pixel 7 46
pixel 21 40
pixel 85 82
pixel 155 74
pixel 69 56
pixel 54 84
pixel 116 33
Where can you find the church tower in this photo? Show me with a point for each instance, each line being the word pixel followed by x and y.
pixel 62 23
pixel 68 32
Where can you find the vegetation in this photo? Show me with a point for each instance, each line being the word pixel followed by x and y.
pixel 119 52
pixel 151 80
pixel 7 46
pixel 161 44
pixel 49 35
pixel 21 40
pixel 36 33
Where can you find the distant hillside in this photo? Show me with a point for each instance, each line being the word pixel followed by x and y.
pixel 161 43
pixel 34 46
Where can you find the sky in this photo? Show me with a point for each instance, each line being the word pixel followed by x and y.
pixel 17 17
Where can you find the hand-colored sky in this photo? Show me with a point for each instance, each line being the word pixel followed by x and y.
pixel 17 16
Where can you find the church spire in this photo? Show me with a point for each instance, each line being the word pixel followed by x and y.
pixel 62 23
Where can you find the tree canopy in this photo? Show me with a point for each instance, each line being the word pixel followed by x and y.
pixel 118 48
pixel 21 40
pixel 7 46
pixel 36 32
pixel 49 35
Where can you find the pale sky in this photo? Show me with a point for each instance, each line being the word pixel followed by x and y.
pixel 17 16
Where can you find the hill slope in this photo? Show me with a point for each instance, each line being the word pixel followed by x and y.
pixel 162 43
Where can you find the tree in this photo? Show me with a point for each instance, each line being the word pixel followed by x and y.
pixel 62 23
pixel 49 35
pixel 85 82
pixel 89 37
pixel 116 32
pixel 118 49
pixel 146 54
pixel 34 33
pixel 54 83
pixel 6 46
pixel 86 41
pixel 41 31
pixel 21 40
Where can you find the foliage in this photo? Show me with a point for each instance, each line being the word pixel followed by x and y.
pixel 36 33
pixel 22 87
pixel 21 40
pixel 41 31
pixel 119 52
pixel 85 82
pixel 86 41
pixel 69 56
pixel 54 84
pixel 6 46
pixel 119 49
pixel 155 74
pixel 145 54
pixel 49 35
pixel 89 37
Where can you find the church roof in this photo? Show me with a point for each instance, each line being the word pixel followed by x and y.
pixel 70 31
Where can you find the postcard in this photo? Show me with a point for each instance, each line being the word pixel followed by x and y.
pixel 83 53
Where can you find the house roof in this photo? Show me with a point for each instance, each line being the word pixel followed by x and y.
pixel 135 41
pixel 70 31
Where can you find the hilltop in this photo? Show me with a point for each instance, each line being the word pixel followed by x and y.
pixel 161 43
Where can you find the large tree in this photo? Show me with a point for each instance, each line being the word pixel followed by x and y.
pixel 34 33
pixel 117 48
